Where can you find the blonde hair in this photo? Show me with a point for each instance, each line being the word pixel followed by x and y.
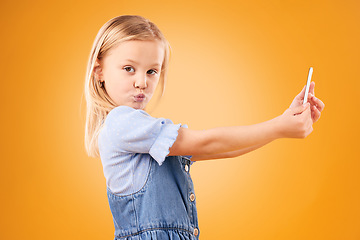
pixel 98 102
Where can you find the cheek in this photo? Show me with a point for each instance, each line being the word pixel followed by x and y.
pixel 116 79
pixel 153 82
pixel 117 87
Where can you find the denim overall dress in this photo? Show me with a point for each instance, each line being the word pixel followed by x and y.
pixel 164 208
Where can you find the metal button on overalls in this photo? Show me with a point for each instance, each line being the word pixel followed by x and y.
pixel 196 231
pixel 192 197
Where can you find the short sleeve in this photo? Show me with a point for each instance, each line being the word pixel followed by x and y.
pixel 135 131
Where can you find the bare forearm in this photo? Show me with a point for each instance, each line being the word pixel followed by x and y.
pixel 229 139
pixel 293 123
pixel 231 154
pixel 224 139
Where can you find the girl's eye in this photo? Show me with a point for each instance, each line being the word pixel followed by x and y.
pixel 129 69
pixel 151 71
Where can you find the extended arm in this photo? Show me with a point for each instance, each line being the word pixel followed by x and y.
pixel 212 143
pixel 227 142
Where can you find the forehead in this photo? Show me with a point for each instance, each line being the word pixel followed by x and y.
pixel 143 52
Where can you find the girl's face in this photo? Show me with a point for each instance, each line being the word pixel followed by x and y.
pixel 131 72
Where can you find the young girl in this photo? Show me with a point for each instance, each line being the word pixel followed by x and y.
pixel 146 160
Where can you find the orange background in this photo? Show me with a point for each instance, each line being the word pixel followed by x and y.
pixel 233 63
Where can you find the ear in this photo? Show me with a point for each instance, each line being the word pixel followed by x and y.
pixel 98 70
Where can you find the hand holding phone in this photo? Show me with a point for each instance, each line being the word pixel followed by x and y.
pixel 308 85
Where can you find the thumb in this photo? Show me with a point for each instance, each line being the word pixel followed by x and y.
pixel 300 109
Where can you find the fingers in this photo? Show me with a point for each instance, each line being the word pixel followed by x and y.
pixel 312 88
pixel 316 102
pixel 307 110
pixel 316 107
pixel 300 109
pixel 301 94
pixel 300 97
pixel 315 114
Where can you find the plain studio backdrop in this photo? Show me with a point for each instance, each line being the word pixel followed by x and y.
pixel 232 63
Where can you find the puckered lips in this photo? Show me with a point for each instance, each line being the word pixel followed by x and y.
pixel 139 98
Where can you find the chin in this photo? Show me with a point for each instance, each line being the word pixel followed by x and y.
pixel 139 106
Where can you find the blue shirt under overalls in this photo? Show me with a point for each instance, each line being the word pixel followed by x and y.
pixel 151 196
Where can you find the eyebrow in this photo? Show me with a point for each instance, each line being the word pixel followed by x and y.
pixel 155 64
pixel 131 60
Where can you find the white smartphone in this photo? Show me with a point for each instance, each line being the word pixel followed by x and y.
pixel 308 85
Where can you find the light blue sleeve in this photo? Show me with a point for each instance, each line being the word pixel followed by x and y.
pixel 135 131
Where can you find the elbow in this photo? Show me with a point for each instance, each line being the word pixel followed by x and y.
pixel 205 143
pixel 195 142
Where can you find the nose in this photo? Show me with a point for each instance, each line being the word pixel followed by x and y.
pixel 140 82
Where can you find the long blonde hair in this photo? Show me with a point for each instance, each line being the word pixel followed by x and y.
pixel 98 103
